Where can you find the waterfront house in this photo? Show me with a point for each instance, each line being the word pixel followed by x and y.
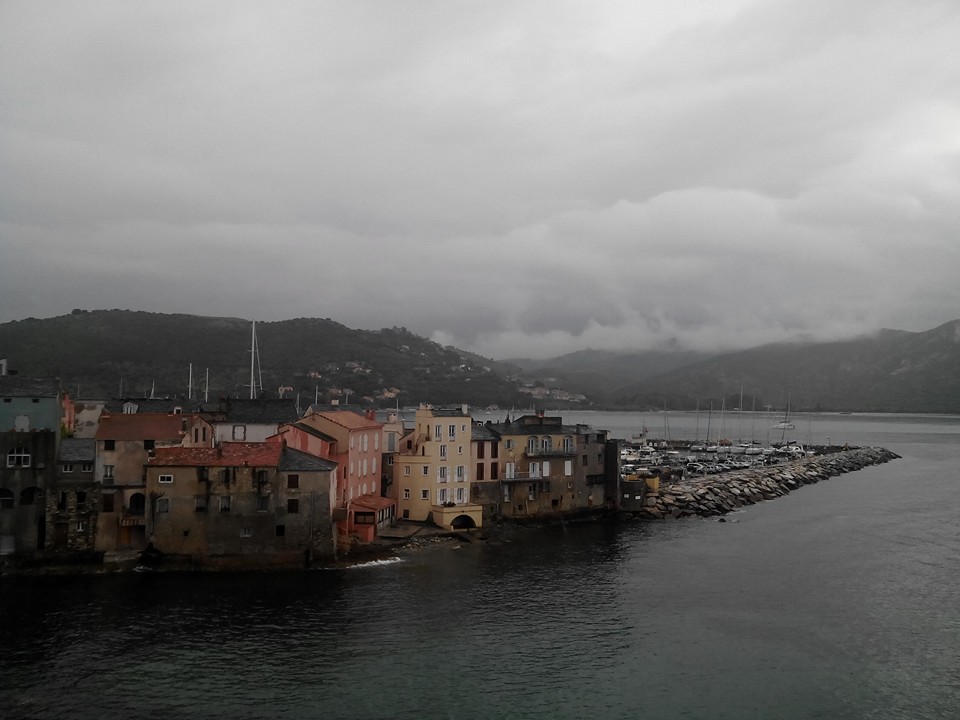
pixel 551 469
pixel 124 444
pixel 30 415
pixel 263 502
pixel 485 488
pixel 72 503
pixel 432 470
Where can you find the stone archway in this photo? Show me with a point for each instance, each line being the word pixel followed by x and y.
pixel 463 522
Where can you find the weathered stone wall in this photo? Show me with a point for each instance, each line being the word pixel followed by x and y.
pixel 720 494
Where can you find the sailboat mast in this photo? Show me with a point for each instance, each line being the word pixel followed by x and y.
pixel 253 350
pixel 190 383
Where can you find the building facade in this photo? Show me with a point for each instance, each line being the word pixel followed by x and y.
pixel 432 470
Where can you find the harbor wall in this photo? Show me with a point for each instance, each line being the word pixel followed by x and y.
pixel 720 494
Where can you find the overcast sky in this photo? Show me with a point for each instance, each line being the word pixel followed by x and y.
pixel 513 178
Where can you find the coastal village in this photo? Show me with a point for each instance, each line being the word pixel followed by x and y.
pixel 259 483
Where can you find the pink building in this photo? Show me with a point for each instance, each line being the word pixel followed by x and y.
pixel 354 442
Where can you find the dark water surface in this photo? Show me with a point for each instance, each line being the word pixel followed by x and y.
pixel 841 600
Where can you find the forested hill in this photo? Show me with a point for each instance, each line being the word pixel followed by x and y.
pixel 94 352
pixel 891 371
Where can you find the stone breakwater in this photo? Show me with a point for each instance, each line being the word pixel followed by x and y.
pixel 720 494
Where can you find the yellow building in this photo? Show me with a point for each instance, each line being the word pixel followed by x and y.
pixel 431 470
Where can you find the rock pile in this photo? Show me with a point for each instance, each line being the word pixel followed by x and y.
pixel 719 494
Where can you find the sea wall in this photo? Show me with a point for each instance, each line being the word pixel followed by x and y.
pixel 720 494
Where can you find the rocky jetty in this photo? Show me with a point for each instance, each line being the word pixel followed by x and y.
pixel 720 494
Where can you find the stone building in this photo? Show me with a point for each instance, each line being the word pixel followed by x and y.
pixel 264 502
pixel 73 500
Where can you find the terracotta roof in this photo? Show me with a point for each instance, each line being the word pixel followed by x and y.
pixel 371 502
pixel 228 454
pixel 141 426
pixel 347 419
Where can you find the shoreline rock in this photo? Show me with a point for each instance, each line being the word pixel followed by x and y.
pixel 720 494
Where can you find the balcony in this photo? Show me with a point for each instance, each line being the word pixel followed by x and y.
pixel 549 452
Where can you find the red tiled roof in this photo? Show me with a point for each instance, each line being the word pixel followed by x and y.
pixel 371 502
pixel 228 454
pixel 142 426
pixel 347 419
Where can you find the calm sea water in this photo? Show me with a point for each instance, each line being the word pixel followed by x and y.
pixel 841 600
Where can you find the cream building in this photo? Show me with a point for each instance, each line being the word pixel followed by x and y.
pixel 432 470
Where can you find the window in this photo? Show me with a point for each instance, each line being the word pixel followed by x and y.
pixel 568 467
pixel 165 479
pixel 81 498
pixel 246 532
pixel 108 474
pixel 461 473
pixel 461 496
pixel 584 463
pixel 479 472
pixel 495 472
pixel 281 530
pixel 224 503
pixel 67 468
pixel 545 469
pixel 376 442
pixel 293 482
pixel 86 468
pixel 442 474
pixel 406 470
pixel 441 496
pixel 568 444
pixel 600 458
pixel 532 491
pixel 424 495
pixel 508 444
pixel 511 470
pixel 81 525
pixel 6 499
pixel 239 432
pixel 228 475
pixel 149 444
pixel 459 449
pixel 200 503
pixel 426 469
pixel 532 445
pixel 109 444
pixel 437 432
pixel 534 470
pixel 163 505
pixel 480 446
pixel 106 502
pixel 494 449
pixel 545 486
pixel 196 435
pixel 406 493
pixel 293 506
pixel 263 503
pixel 452 432
pixel 203 434
pixel 443 451
pixel 27 499
pixel 18 457
pixel 546 445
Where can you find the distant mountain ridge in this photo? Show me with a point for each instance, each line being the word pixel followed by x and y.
pixel 95 352
pixel 889 371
